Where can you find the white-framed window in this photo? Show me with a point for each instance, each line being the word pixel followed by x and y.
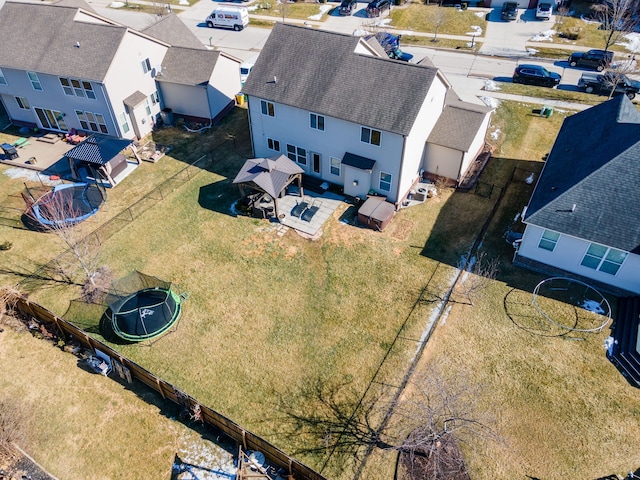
pixel 92 121
pixel 369 135
pixel 297 154
pixel 385 181
pixel 336 165
pixel 79 88
pixel 549 240
pixel 3 80
pixel 124 124
pixel 273 144
pixel 147 106
pixel 316 121
pixel 23 103
pixel 146 65
pixel 267 108
pixel 35 81
pixel 155 98
pixel 603 259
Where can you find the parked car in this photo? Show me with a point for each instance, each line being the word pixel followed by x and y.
pixel 595 59
pixel 609 83
pixel 228 17
pixel 536 75
pixel 376 7
pixel 347 7
pixel 246 67
pixel 544 10
pixel 391 45
pixel 509 11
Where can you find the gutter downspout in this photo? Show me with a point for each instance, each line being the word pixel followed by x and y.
pixel 400 172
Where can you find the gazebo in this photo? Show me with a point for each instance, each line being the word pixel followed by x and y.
pixel 270 176
pixel 100 153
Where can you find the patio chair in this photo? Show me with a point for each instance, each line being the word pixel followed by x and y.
pixel 309 212
pixel 300 207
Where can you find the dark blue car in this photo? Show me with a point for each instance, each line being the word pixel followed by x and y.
pixel 536 75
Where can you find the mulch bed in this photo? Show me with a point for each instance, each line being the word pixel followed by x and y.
pixel 20 467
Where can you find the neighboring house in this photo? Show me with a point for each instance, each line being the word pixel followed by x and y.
pixel 85 72
pixel 584 214
pixel 347 114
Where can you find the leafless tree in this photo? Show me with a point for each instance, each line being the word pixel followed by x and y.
pixel 427 426
pixel 438 20
pixel 617 18
pixel 563 11
pixel 82 247
pixel 478 275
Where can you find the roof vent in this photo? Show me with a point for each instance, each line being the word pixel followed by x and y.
pixel 275 79
pixel 77 44
pixel 573 209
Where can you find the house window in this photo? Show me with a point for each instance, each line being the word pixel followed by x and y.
pixel 147 107
pixel 22 103
pixel 604 259
pixel 79 88
pixel 267 108
pixel 549 240
pixel 82 118
pixel 316 121
pixel 385 181
pixel 146 65
pixel 3 81
pixel 369 135
pixel 273 144
pixel 35 81
pixel 124 124
pixel 102 125
pixel 335 166
pixel 155 99
pixel 297 154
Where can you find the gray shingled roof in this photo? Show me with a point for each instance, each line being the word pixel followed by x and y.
pixel 270 174
pixel 76 4
pixel 188 66
pixel 172 30
pixel 97 149
pixel 458 125
pixel 595 165
pixel 42 38
pixel 135 99
pixel 318 71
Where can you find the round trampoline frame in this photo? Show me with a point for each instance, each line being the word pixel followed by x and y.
pixel 153 334
pixel 38 208
pixel 603 301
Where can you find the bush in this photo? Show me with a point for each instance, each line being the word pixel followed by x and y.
pixel 6 245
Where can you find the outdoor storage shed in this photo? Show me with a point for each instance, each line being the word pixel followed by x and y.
pixel 376 213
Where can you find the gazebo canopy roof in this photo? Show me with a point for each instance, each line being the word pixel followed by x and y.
pixel 270 175
pixel 98 149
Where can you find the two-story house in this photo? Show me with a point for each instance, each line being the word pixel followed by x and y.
pixel 65 67
pixel 349 115
pixel 584 214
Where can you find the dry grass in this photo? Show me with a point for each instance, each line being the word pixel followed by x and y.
pixel 424 18
pixel 299 10
pixel 269 314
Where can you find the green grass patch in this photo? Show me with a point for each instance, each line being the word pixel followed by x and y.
pixel 585 34
pixel 300 10
pixel 440 42
pixel 425 18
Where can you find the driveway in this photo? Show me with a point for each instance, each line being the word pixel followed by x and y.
pixel 508 39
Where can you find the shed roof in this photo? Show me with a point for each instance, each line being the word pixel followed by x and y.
pixel 458 125
pixel 319 71
pixel 595 165
pixel 270 174
pixel 356 161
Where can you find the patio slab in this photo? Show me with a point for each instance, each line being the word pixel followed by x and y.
pixel 328 202
pixel 41 156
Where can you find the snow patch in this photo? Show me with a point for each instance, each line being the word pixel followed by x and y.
pixel 443 319
pixel 491 86
pixel 592 306
pixel 532 51
pixel 631 42
pixel 481 14
pixel 116 4
pixel 476 30
pixel 490 102
pixel 323 9
pixel 183 2
pixel 495 134
pixel 545 36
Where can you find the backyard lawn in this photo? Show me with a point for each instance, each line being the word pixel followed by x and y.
pixel 270 314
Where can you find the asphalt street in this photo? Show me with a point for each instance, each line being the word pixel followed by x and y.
pixel 503 45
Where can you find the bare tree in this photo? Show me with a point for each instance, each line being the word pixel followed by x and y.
pixel 438 20
pixel 427 426
pixel 58 212
pixel 478 276
pixel 617 18
pixel 563 11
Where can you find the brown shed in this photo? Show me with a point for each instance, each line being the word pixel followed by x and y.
pixel 376 213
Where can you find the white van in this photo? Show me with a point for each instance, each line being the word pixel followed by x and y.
pixel 246 67
pixel 228 17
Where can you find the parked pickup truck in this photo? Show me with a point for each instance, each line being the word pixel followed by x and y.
pixel 606 83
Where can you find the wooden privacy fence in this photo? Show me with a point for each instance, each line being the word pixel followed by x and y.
pixel 248 440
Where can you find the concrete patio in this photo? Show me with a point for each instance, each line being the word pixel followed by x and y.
pixel 327 202
pixel 40 154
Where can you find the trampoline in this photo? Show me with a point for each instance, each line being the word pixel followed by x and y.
pixel 146 314
pixel 68 204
